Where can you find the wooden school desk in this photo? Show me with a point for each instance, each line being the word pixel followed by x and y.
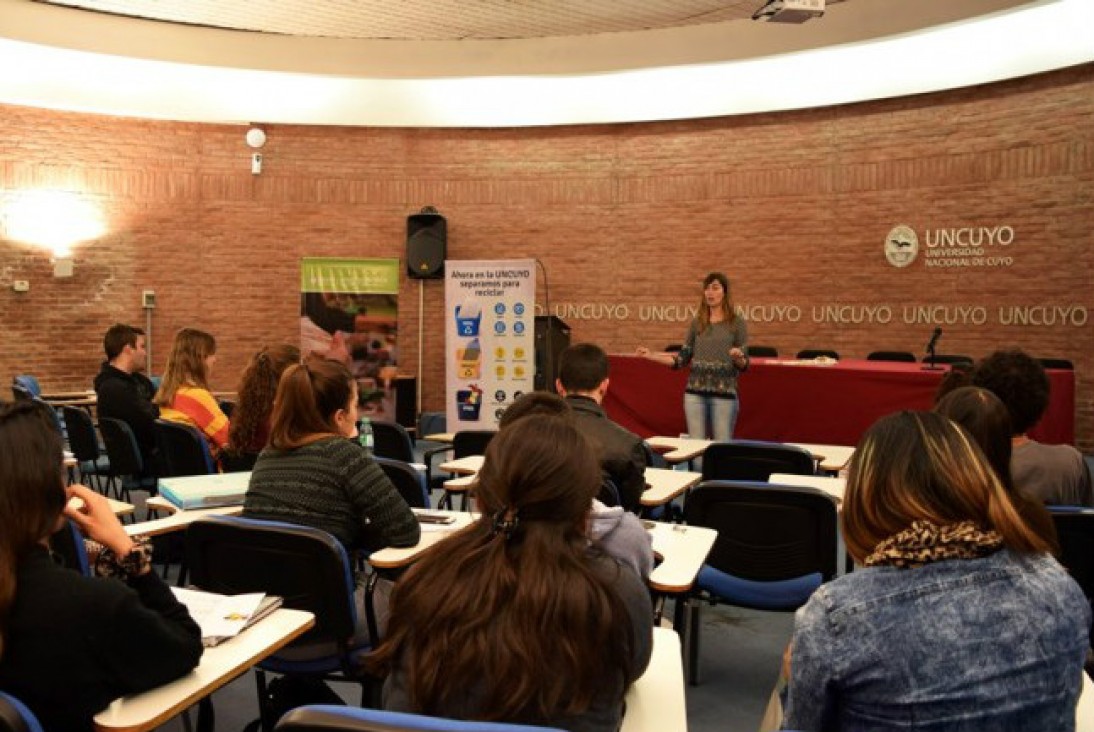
pixel 219 665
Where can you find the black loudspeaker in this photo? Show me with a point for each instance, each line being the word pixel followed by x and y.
pixel 406 401
pixel 426 241
pixel 552 338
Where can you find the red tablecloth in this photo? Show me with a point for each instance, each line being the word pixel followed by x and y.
pixel 828 405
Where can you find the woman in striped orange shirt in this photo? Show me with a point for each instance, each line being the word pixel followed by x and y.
pixel 184 394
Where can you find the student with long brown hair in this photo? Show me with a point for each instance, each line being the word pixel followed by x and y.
pixel 959 620
pixel 716 348
pixel 250 428
pixel 517 618
pixel 184 394
pixel 71 644
pixel 984 416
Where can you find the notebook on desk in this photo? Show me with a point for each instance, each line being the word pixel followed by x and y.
pixel 205 491
pixel 221 617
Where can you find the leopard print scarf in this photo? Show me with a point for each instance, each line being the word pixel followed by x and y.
pixel 924 542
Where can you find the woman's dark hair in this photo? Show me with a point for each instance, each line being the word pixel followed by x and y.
pixel 32 492
pixel 984 416
pixel 256 391
pixel 526 624
pixel 307 399
pixel 1020 381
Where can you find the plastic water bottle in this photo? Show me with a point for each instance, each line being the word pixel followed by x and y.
pixel 364 435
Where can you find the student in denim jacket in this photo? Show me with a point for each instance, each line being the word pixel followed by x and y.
pixel 959 621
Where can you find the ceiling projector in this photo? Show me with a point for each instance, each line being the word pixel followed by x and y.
pixel 789 11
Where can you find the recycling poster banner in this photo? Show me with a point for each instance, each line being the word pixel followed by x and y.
pixel 489 339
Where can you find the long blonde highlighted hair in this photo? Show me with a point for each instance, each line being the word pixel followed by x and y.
pixel 186 364
pixel 920 465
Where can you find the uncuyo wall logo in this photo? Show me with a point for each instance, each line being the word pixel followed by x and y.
pixel 901 245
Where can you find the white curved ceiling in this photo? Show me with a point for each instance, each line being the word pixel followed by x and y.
pixel 487 63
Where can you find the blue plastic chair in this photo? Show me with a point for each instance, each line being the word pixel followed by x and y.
pixel 311 571
pixel 776 545
pixel 409 481
pixel 327 718
pixel 15 716
pixel 183 450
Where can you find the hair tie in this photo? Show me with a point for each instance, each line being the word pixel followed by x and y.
pixel 506 522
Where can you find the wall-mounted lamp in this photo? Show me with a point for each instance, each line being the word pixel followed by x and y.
pixel 55 220
pixel 256 138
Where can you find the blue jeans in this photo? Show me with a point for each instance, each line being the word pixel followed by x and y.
pixel 710 417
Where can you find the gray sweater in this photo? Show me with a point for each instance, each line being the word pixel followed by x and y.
pixel 331 484
pixel 712 370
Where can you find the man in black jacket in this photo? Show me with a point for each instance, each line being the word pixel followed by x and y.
pixel 583 381
pixel 125 393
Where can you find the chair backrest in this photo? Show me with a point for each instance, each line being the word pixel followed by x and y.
pixel 900 356
pixel 471 442
pixel 1057 363
pixel 766 532
pixel 408 481
pixel 432 423
pixel 183 450
pixel 306 566
pixel 28 384
pixel 763 351
pixel 68 544
pixel 82 439
pixel 818 353
pixel 1075 533
pixel 391 440
pixel 327 718
pixel 15 716
pixel 121 447
pixel 949 358
pixel 753 460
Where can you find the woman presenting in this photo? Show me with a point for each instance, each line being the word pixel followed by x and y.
pixel 717 349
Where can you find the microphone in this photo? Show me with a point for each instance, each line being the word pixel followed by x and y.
pixel 934 339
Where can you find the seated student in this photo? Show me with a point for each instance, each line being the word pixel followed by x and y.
pixel 311 474
pixel 616 532
pixel 124 392
pixel 960 620
pixel 987 421
pixel 70 644
pixel 516 617
pixel 583 381
pixel 250 429
pixel 184 394
pixel 1052 474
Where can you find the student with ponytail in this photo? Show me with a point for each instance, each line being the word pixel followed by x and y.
pixel 960 618
pixel 312 474
pixel 517 618
pixel 70 644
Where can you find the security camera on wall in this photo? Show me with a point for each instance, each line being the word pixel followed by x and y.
pixel 789 11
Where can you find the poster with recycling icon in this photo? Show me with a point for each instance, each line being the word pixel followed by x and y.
pixel 489 339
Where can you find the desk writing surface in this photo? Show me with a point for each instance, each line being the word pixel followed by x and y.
pixel 219 665
pixel 679 449
pixel 178 521
pixel 832 486
pixel 682 550
pixel 464 466
pixel 663 485
pixel 656 701
pixel 394 557
pixel 833 458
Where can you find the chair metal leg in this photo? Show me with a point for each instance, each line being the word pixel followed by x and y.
pixel 264 711
pixel 692 645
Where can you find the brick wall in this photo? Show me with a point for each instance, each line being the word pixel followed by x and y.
pixel 794 206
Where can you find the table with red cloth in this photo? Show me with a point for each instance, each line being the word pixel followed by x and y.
pixel 788 401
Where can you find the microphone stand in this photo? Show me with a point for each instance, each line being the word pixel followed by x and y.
pixel 931 365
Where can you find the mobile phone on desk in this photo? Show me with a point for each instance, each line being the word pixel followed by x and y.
pixel 435 518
